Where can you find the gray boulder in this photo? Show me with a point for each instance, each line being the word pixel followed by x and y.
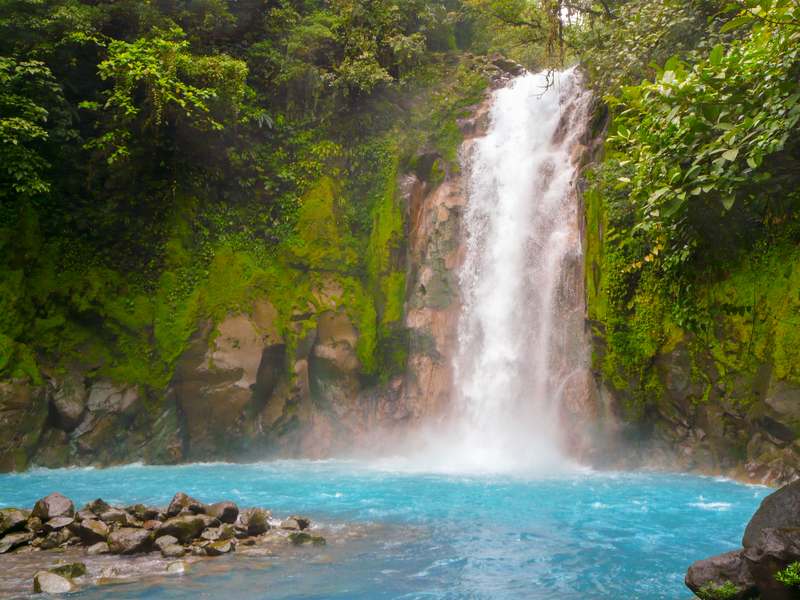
pixel 91 531
pixel 144 513
pixel 255 521
pixel 54 505
pixel 184 528
pixel 219 547
pixel 173 551
pixel 164 541
pixel 775 550
pixel 226 512
pixel 779 509
pixel 97 506
pixel 129 540
pixel 50 583
pixel 98 548
pixel 70 570
pixel 14 540
pixel 57 523
pixel 712 573
pixel 183 503
pixel 12 519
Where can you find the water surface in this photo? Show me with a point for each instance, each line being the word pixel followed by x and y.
pixel 581 536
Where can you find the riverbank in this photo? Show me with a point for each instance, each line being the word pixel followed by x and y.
pixel 55 548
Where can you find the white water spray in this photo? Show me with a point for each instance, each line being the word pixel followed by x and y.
pixel 520 336
pixel 520 282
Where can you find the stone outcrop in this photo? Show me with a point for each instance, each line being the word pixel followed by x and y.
pixel 770 544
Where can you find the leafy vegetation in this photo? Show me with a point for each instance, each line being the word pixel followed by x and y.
pixel 726 591
pixel 692 214
pixel 790 576
pixel 164 163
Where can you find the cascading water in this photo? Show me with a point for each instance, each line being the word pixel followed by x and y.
pixel 521 331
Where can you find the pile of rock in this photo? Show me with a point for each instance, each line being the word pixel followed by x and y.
pixel 771 543
pixel 186 526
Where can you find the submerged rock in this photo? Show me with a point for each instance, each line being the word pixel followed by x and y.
pixel 70 570
pixel 54 505
pixel 98 548
pixel 50 583
pixel 219 547
pixel 301 537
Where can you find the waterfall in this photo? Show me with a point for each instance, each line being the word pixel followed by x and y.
pixel 520 333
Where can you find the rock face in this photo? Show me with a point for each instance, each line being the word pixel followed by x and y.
pixel 771 543
pixel 778 510
pixel 286 377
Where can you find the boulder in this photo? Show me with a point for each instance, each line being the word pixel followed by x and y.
pixel 69 403
pixel 712 573
pixel 54 539
pixel 50 583
pixel 91 531
pixel 13 540
pixel 152 525
pixel 144 513
pixel 54 505
pixel 779 509
pixel 255 521
pixel 70 570
pixel 300 538
pixel 223 532
pixel 176 568
pixel 97 506
pixel 184 528
pixel 35 525
pixel 775 550
pixel 183 503
pixel 129 540
pixel 58 523
pixel 98 548
pixel 120 517
pixel 164 541
pixel 296 523
pixel 173 551
pixel 219 547
pixel 12 519
pixel 226 512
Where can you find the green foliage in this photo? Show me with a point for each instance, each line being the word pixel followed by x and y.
pixel 790 576
pixel 24 87
pixel 726 591
pixel 701 139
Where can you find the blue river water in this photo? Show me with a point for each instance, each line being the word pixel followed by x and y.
pixel 582 535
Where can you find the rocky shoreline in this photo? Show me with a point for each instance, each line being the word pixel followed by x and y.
pixel 768 564
pixel 66 548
